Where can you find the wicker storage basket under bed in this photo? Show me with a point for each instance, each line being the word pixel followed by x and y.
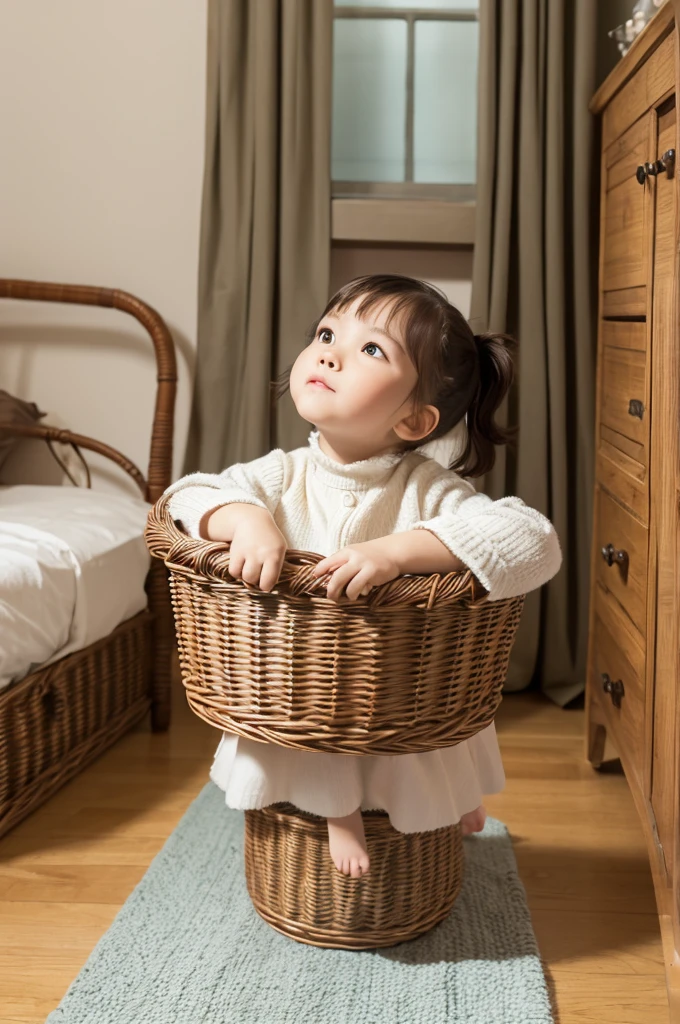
pixel 417 665
pixel 412 885
pixel 61 717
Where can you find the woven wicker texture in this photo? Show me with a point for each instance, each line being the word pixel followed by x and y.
pixel 417 665
pixel 57 720
pixel 294 885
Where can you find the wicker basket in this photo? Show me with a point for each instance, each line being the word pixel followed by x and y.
pixel 417 665
pixel 412 885
pixel 60 718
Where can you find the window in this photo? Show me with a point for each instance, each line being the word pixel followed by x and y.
pixel 405 99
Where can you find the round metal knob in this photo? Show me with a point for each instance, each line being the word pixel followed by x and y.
pixel 614 688
pixel 641 174
pixel 651 168
pixel 612 555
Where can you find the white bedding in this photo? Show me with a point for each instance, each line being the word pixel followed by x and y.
pixel 72 567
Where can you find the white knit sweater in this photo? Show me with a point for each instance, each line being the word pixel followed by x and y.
pixel 322 505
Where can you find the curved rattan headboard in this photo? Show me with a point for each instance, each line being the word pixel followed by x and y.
pixel 160 457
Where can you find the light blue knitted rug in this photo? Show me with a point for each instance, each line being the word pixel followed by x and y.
pixel 188 948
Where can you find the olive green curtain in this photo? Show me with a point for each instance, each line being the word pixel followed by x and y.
pixel 265 222
pixel 534 276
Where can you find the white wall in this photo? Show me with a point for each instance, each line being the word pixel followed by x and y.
pixel 100 183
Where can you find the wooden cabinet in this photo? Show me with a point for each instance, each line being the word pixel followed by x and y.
pixel 624 265
pixel 618 661
pixel 633 683
pixel 621 566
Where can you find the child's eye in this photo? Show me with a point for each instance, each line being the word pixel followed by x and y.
pixel 376 348
pixel 326 335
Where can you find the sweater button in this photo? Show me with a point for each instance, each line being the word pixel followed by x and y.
pixel 348 500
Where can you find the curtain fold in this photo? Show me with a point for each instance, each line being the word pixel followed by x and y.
pixel 534 276
pixel 264 257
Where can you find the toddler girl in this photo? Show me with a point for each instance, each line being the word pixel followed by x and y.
pixel 395 382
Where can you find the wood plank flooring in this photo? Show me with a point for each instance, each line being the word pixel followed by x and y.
pixel 66 870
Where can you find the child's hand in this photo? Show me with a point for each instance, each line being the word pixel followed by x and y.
pixel 359 568
pixel 258 547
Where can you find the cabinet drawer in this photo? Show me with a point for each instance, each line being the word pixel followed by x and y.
pixel 622 540
pixel 624 409
pixel 625 241
pixel 626 302
pixel 623 477
pixel 617 679
pixel 623 430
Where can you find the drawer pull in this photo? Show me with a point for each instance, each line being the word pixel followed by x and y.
pixel 611 556
pixel 614 689
pixel 636 408
pixel 653 167
pixel 666 163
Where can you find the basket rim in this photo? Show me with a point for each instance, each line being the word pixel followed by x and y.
pixel 209 560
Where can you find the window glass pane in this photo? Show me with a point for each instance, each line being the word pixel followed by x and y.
pixel 369 100
pixel 445 102
pixel 415 5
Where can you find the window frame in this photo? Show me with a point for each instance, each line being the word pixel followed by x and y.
pixel 403 221
pixel 375 191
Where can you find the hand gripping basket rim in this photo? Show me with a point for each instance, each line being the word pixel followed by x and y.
pixel 417 665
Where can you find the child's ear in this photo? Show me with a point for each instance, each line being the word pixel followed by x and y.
pixel 419 424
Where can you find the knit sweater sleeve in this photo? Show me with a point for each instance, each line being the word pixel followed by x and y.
pixel 259 482
pixel 510 547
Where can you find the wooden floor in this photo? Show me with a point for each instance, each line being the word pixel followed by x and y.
pixel 65 872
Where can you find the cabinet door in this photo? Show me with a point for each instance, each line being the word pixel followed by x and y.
pixel 627 243
pixel 665 490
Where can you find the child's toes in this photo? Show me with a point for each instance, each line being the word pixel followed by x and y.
pixel 473 821
pixel 355 869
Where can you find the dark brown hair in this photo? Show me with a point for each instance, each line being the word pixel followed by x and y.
pixel 460 373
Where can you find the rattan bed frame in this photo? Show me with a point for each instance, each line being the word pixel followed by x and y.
pixel 58 719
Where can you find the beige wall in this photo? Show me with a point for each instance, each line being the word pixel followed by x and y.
pixel 449 269
pixel 100 183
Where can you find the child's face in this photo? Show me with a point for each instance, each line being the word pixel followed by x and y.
pixel 368 370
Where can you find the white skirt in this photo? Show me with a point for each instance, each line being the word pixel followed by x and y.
pixel 419 791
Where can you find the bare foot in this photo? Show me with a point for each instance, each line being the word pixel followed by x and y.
pixel 473 821
pixel 347 843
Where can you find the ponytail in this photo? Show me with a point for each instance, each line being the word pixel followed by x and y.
pixel 496 374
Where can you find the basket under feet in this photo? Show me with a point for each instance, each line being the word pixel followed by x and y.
pixel 412 885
